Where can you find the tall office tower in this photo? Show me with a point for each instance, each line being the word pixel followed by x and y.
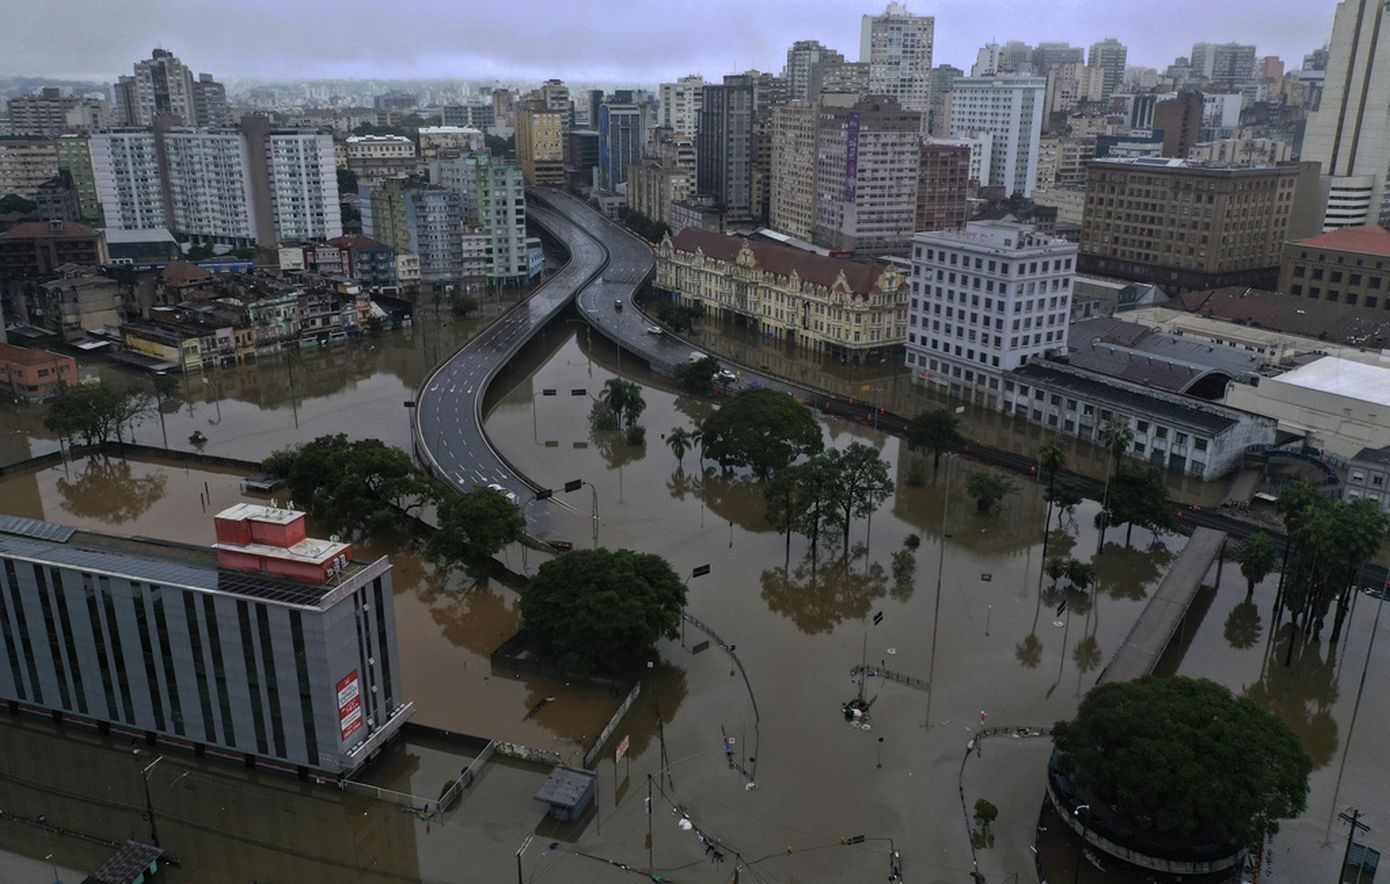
pixel 1017 57
pixel 501 201
pixel 793 197
pixel 541 134
pixel 943 185
pixel 208 195
pixel 1109 56
pixel 724 148
pixel 1227 66
pixel 555 95
pixel 163 85
pixel 680 105
pixel 1349 133
pixel 127 107
pixel 210 102
pixel 939 112
pixel 1180 118
pixel 1045 55
pixel 866 175
pixel 1316 60
pixel 807 64
pixel 898 47
pixel 987 61
pixel 1010 108
pixel 300 179
pixel 621 135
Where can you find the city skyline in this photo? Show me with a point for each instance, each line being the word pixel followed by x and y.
pixel 642 46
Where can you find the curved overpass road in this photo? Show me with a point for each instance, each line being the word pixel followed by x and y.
pixel 449 435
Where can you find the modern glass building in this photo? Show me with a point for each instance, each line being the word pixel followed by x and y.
pixel 270 648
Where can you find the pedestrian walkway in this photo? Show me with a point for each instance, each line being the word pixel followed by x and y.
pixel 1149 636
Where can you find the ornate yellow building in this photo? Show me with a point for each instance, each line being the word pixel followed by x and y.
pixel 827 305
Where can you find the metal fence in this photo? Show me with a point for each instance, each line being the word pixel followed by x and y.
pixel 911 681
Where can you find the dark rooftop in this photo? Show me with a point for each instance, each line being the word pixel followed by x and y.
pixel 1275 311
pixel 1100 389
pixel 1380 456
pixel 1140 354
pixel 131 861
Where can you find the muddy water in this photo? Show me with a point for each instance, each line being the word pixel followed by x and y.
pixel 998 647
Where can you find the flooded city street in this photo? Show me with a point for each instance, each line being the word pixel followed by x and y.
pixel 767 771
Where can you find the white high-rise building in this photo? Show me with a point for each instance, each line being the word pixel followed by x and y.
pixel 209 186
pixel 125 169
pixel 1010 108
pixel 1349 133
pixel 898 48
pixel 303 179
pixel 984 301
pixel 680 105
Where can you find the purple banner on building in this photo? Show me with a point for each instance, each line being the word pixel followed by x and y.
pixel 852 157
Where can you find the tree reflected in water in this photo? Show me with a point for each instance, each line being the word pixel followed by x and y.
pixel 1302 694
pixel 818 596
pixel 109 491
pixel 1127 573
pixel 1243 626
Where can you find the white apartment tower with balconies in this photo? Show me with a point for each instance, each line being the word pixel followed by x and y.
pixel 897 46
pixel 1010 108
pixel 985 300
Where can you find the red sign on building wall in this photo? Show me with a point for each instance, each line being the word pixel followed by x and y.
pixel 349 705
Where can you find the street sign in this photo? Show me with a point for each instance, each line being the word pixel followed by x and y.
pixel 878 618
pixel 1061 609
pixel 577 391
pixel 544 493
pixel 622 749
pixel 574 485
pixel 410 403
pixel 700 571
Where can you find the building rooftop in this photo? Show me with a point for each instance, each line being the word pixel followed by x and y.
pixel 1370 240
pixel 1127 397
pixel 128 864
pixel 1380 456
pixel 27 355
pixel 48 230
pixel 999 236
pixel 1143 355
pixel 160 562
pixel 118 236
pixel 180 273
pixel 356 242
pixel 1339 323
pixel 1342 377
pixel 781 260
pixel 1189 165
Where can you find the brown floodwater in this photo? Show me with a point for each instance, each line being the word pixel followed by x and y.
pixel 988 640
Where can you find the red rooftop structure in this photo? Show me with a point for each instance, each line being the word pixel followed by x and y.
pixel 275 541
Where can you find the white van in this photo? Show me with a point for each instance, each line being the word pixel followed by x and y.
pixel 696 356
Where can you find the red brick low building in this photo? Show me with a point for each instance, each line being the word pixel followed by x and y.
pixel 31 375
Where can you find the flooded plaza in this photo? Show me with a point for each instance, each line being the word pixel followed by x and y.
pixel 988 640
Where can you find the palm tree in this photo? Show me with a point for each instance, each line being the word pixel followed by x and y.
pixel 1056 568
pixel 680 441
pixel 1080 574
pixel 624 398
pixel 1256 559
pixel 1052 454
pixel 1117 436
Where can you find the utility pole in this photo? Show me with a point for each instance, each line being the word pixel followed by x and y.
pixel 650 867
pixel 149 805
pixel 1353 816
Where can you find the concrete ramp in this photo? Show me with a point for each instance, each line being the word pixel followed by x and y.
pixel 1149 637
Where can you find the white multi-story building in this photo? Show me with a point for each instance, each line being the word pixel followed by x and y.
pixel 680 105
pixel 209 186
pixel 985 300
pixel 1010 108
pixel 898 48
pixel 303 186
pixel 125 170
pixel 501 201
pixel 1349 133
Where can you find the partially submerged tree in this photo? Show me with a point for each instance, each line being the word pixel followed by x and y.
pixel 860 483
pixel 988 488
pixel 1138 496
pixel 1256 557
pixel 473 527
pixel 761 429
pixel 1184 758
pixel 935 431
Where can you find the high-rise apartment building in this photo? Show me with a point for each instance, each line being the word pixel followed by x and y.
pixel 724 151
pixel 622 133
pixel 1226 66
pixel 1045 55
pixel 939 114
pixel 501 202
pixel 300 178
pixel 427 220
pixel 269 647
pixel 866 175
pixel 795 129
pixel 25 164
pixel 162 84
pixel 374 158
pixel 943 186
pixel 680 105
pixel 75 156
pixel 1349 133
pixel 541 133
pixel 1010 108
pixel 1186 225
pixel 898 47
pixel 210 103
pixel 126 176
pixel 208 186
pixel 50 113
pixel 984 301
pixel 808 62
pixel 1109 56
pixel 1180 118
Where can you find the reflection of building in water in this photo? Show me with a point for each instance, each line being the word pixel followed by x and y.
pixel 221 822
pixel 275 648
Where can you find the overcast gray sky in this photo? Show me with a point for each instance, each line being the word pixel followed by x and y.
pixel 592 40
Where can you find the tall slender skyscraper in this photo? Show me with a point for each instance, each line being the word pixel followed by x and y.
pixel 1349 134
pixel 898 46
pixel 1110 56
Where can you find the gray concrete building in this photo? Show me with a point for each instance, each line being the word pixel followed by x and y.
pixel 269 648
pixel 866 175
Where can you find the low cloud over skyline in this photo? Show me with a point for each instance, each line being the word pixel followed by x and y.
pixel 596 41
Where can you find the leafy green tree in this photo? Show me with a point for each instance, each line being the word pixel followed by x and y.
pixel 985 814
pixel 678 317
pixel 861 484
pixel 989 488
pixel 816 497
pixel 935 431
pixel 1138 496
pixel 624 397
pixel 1117 436
pixel 698 376
pixel 602 418
pixel 358 487
pixel 473 527
pixel 463 305
pixel 347 180
pixel 1065 494
pixel 1256 557
pixel 635 435
pixel 1184 758
pixel 680 440
pixel 762 429
pixel 97 412
pixel 600 609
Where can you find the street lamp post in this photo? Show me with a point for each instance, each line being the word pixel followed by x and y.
pixel 1081 846
pixel 149 805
